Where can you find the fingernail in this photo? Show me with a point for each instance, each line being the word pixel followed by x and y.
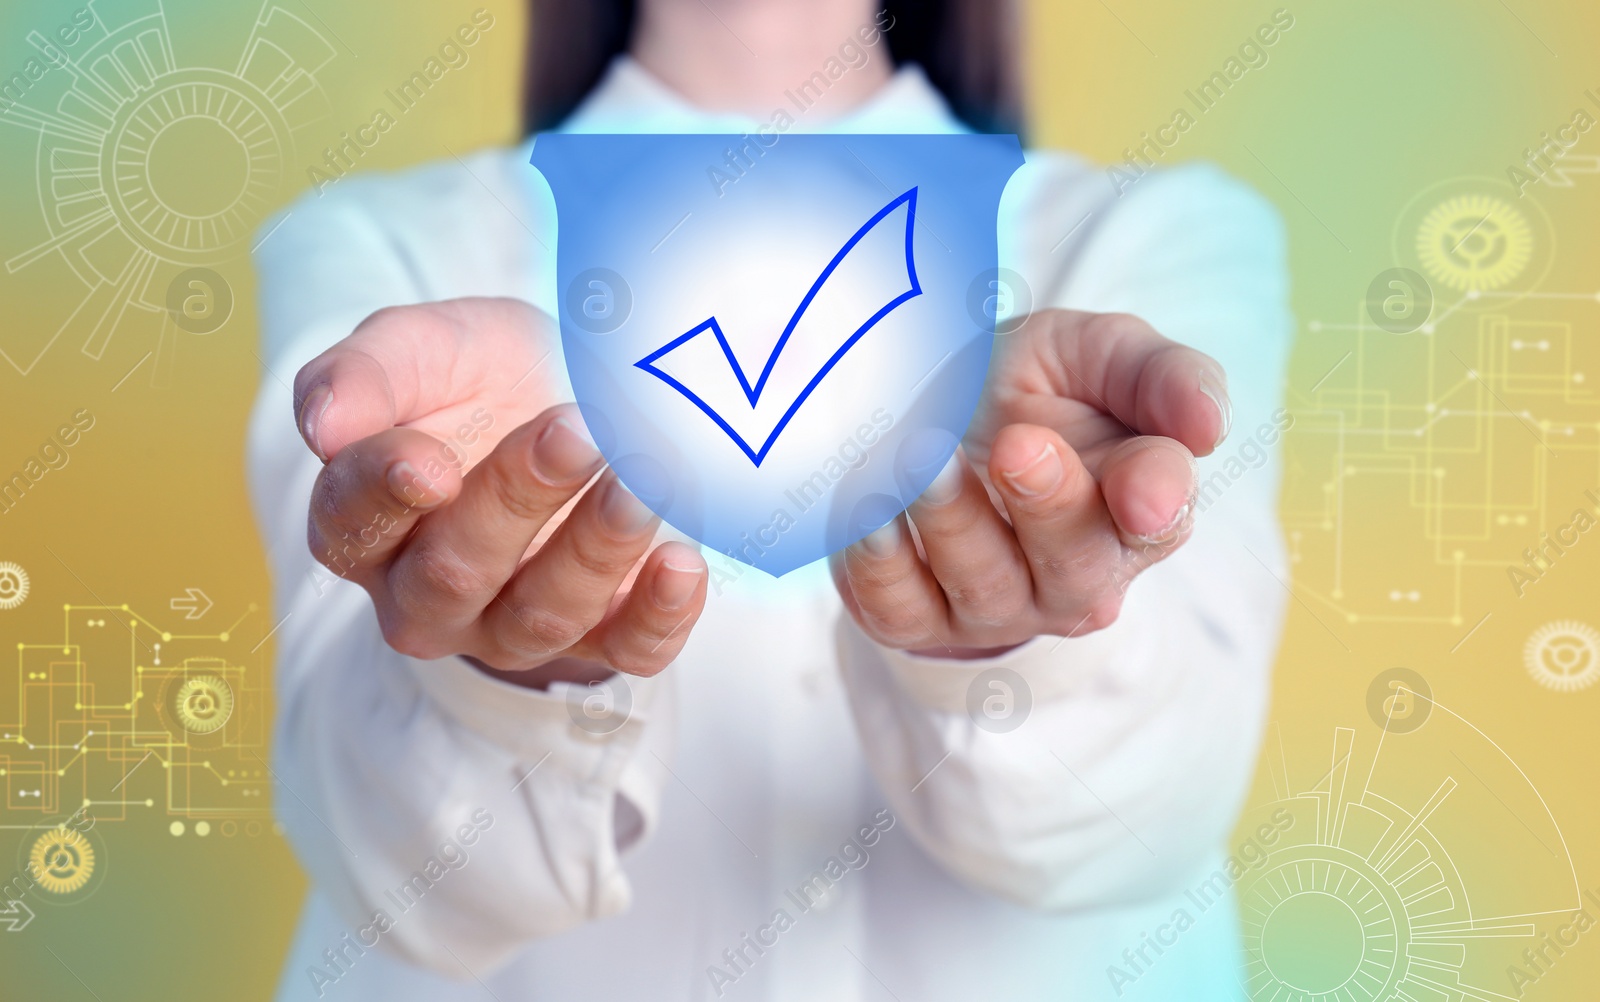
pixel 947 484
pixel 884 540
pixel 412 487
pixel 1178 521
pixel 1216 388
pixel 1171 530
pixel 312 410
pixel 621 512
pixel 1040 476
pixel 562 452
pixel 675 585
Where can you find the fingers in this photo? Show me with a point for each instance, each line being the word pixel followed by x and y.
pixel 892 592
pixel 1119 364
pixel 1149 488
pixel 367 500
pixel 1060 565
pixel 566 588
pixel 648 630
pixel 461 557
pixel 1066 533
pixel 971 550
pixel 405 362
pixel 346 397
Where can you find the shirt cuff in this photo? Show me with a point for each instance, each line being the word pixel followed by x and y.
pixel 591 732
pixel 1052 668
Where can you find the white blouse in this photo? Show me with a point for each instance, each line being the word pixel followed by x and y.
pixel 789 811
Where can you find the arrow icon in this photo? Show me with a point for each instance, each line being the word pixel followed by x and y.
pixel 16 917
pixel 197 603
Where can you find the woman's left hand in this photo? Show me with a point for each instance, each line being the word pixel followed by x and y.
pixel 1078 473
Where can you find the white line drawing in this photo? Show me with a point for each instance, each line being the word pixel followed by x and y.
pixel 1564 655
pixel 1563 173
pixel 1392 886
pixel 13 585
pixel 146 167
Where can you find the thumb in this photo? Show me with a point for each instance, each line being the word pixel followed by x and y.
pixel 343 395
pixel 404 363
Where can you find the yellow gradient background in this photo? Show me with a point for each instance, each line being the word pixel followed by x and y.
pixel 1361 109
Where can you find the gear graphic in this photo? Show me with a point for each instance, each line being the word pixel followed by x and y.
pixel 1474 242
pixel 13 585
pixel 1564 655
pixel 1328 922
pixel 1375 891
pixel 149 165
pixel 203 704
pixel 62 860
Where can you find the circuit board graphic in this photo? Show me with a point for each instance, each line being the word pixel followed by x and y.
pixel 124 718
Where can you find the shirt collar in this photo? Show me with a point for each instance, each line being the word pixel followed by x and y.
pixel 629 99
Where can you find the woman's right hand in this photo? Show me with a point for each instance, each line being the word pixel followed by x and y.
pixel 446 474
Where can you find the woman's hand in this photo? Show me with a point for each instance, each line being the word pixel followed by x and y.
pixel 1077 474
pixel 445 495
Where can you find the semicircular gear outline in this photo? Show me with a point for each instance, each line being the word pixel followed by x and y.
pixel 1375 904
pixel 103 217
pixel 1372 837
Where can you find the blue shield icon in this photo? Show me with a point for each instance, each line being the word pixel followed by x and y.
pixel 777 341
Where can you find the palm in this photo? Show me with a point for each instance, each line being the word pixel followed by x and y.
pixel 484 368
pixel 1079 473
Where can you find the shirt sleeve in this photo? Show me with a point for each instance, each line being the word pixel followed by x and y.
pixel 391 771
pixel 1070 773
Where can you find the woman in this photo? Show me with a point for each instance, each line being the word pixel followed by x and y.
pixel 549 752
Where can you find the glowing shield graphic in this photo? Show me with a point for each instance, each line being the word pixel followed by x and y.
pixel 773 339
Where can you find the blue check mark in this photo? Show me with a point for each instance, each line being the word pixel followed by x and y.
pixel 753 392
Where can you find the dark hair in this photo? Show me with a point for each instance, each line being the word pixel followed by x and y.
pixel 968 48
